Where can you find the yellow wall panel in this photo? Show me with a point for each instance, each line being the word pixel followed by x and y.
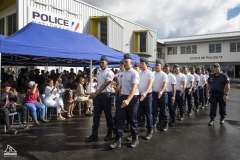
pixel 135 42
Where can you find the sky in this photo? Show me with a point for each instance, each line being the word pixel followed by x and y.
pixel 177 18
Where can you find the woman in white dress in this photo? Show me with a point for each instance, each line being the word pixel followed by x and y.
pixel 53 98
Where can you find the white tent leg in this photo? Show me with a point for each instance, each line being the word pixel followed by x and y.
pixel 91 76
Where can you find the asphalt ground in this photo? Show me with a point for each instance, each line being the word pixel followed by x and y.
pixel 191 139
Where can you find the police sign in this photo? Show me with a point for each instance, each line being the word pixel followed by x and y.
pixel 54 20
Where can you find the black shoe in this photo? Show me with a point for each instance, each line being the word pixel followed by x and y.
pixel 171 124
pixel 44 121
pixel 211 123
pixel 92 138
pixel 135 142
pixel 189 114
pixel 197 110
pixel 222 121
pixel 108 137
pixel 129 138
pixel 149 135
pixel 37 123
pixel 12 131
pixel 181 118
pixel 165 127
pixel 117 144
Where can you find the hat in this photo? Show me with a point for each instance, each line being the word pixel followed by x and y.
pixel 175 66
pixel 216 65
pixel 158 61
pixel 103 58
pixel 127 56
pixel 31 84
pixel 166 65
pixel 143 60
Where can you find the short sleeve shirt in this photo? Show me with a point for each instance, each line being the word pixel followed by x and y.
pixel 104 76
pixel 171 81
pixel 145 76
pixel 179 79
pixel 128 78
pixel 159 79
pixel 217 83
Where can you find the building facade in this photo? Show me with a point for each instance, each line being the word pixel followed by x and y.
pixel 78 16
pixel 223 48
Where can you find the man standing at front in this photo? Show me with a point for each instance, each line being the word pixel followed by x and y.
pixel 102 100
pixel 219 86
pixel 129 103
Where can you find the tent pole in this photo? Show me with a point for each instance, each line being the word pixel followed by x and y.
pixel 0 71
pixel 91 76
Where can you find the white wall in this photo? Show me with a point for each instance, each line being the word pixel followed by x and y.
pixel 82 11
pixel 203 54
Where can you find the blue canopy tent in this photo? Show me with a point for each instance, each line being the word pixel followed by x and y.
pixel 43 41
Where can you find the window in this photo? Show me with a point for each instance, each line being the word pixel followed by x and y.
pixel 160 53
pixel 215 48
pixel 194 49
pixel 143 42
pixel 98 28
pixel 235 47
pixel 172 50
pixel 11 24
pixel 2 26
pixel 103 32
pixel 218 48
pixel 189 49
pixel 140 41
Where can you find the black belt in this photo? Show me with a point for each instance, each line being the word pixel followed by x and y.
pixel 128 95
pixel 105 94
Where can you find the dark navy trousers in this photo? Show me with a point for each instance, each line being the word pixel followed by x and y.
pixel 102 103
pixel 131 112
pixel 215 100
pixel 145 109
pixel 159 108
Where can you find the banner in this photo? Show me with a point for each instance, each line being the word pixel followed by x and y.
pixel 54 20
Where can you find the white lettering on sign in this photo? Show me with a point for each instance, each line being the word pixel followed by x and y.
pixel 54 20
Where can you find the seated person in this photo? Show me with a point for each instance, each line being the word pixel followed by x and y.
pixel 8 105
pixel 34 104
pixel 53 98
pixel 70 101
pixel 83 97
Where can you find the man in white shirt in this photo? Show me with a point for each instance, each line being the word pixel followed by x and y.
pixel 188 90
pixel 201 85
pixel 195 88
pixel 102 98
pixel 160 97
pixel 129 103
pixel 145 90
pixel 171 94
pixel 206 75
pixel 180 90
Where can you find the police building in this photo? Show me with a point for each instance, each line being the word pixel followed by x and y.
pixel 78 16
pixel 223 48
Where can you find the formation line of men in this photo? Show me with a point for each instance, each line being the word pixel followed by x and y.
pixel 146 96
